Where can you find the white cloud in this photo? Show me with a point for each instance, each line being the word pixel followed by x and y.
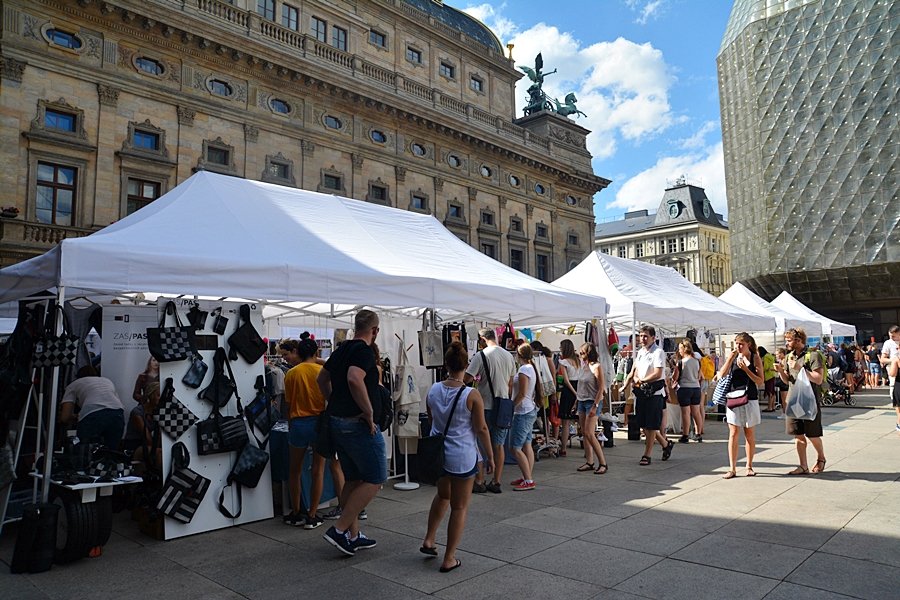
pixel 698 140
pixel 646 9
pixel 705 169
pixel 500 25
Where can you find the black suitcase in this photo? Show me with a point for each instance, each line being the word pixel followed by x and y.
pixel 36 541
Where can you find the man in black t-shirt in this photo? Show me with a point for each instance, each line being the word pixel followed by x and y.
pixel 348 382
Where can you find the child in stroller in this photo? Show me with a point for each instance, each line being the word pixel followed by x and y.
pixel 837 389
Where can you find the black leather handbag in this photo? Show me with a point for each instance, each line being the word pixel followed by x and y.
pixel 195 373
pixel 53 350
pixel 218 434
pixel 170 344
pixel 184 488
pixel 260 412
pixel 246 472
pixel 197 318
pixel 245 340
pixel 222 386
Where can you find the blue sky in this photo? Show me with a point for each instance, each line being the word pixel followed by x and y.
pixel 644 71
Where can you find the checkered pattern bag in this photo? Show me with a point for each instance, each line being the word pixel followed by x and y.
pixel 56 350
pixel 172 416
pixel 169 344
pixel 184 489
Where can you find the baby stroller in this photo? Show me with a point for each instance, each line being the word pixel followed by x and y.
pixel 837 389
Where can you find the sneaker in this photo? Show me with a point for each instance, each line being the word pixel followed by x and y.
pixel 311 522
pixel 898 427
pixel 362 542
pixel 683 439
pixel 293 519
pixel 333 515
pixel 698 438
pixel 614 427
pixel 363 515
pixel 524 486
pixel 516 482
pixel 494 487
pixel 602 437
pixel 339 541
pixel 479 488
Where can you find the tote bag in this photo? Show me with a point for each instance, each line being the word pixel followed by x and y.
pixel 170 344
pixel 53 350
pixel 431 345
pixel 407 398
pixel 184 488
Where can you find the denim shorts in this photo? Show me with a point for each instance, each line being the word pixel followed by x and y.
pixel 303 432
pixel 875 368
pixel 520 431
pixel 471 473
pixel 585 406
pixel 498 434
pixel 362 454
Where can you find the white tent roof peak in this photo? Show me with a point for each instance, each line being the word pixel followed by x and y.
pixel 657 295
pixel 221 236
pixel 829 326
pixel 738 295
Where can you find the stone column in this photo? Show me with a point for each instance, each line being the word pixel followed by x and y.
pixel 106 207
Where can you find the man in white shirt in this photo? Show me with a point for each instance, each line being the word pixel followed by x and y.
pixel 889 351
pixel 650 392
pixel 101 415
pixel 502 367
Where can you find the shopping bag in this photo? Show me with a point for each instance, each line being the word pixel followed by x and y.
pixel 722 389
pixel 168 344
pixel 801 399
pixel 406 397
pixel 53 350
pixel 184 488
pixel 431 344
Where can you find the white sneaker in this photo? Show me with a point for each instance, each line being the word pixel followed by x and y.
pixel 614 427
pixel 602 437
pixel 606 417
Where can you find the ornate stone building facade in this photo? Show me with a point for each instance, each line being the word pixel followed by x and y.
pixel 808 92
pixel 409 103
pixel 685 234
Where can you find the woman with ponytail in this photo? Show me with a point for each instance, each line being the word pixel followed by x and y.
pixel 524 415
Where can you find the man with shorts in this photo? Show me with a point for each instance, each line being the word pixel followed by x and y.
pixel 502 367
pixel 889 351
pixel 349 380
pixel 649 390
pixel 800 356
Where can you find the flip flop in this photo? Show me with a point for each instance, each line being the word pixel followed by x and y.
pixel 729 475
pixel 586 467
pixel 602 469
pixel 430 552
pixel 751 473
pixel 799 471
pixel 448 569
pixel 817 468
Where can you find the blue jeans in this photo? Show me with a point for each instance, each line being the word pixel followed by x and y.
pixel 361 454
pixel 302 432
pixel 521 428
pixel 106 425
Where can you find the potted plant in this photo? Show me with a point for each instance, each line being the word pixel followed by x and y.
pixel 9 212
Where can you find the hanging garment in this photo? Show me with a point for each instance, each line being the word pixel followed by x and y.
pixel 406 398
pixel 81 321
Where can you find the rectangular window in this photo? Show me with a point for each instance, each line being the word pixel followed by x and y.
pixel 339 38
pixel 413 55
pixel 487 218
pixel 55 194
pixel 447 70
pixel 377 38
pixel 140 194
pixel 332 182
pixel 573 239
pixel 541 231
pixel 489 249
pixel 455 211
pixel 319 29
pixel 681 244
pixel 639 250
pixel 280 170
pixel 713 245
pixel 290 17
pixel 517 259
pixel 419 203
pixel 516 225
pixel 146 140
pixel 671 246
pixel 266 9
pixel 623 252
pixel 542 267
pixel 476 84
pixel 60 121
pixel 219 156
pixel 377 193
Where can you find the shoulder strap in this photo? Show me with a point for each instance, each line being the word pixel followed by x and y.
pixel 453 410
pixel 240 502
pixel 487 371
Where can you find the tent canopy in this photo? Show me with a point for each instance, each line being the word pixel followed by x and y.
pixel 639 291
pixel 222 236
pixel 829 327
pixel 738 295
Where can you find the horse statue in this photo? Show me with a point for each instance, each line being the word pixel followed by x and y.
pixel 568 108
pixel 537 98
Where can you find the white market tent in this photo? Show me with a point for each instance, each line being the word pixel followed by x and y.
pixel 222 236
pixel 641 292
pixel 829 327
pixel 739 296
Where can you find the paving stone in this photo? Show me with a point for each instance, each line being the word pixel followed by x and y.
pixel 508 543
pixel 791 591
pixel 650 538
pixel 858 578
pixel 560 521
pixel 591 563
pixel 676 580
pixel 415 570
pixel 513 581
pixel 746 556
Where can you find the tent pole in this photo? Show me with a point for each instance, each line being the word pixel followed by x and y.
pixel 54 390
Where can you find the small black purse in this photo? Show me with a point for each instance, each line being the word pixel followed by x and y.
pixel 220 322
pixel 195 373
pixel 197 318
pixel 222 387
pixel 260 412
pixel 245 340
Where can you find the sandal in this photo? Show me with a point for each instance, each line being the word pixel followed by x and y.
pixel 585 467
pixel 601 470
pixel 799 471
pixel 645 460
pixel 667 451
pixel 729 475
pixel 751 472
pixel 562 453
pixel 817 468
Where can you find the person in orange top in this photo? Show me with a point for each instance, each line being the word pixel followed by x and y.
pixel 305 403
